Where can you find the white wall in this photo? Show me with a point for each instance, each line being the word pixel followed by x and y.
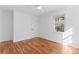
pixel 72 21
pixel 0 25
pixel 25 26
pixel 6 25
pixel 46 25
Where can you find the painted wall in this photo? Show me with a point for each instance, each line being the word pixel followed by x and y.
pixel 25 26
pixel 6 25
pixel 0 25
pixel 71 21
pixel 46 25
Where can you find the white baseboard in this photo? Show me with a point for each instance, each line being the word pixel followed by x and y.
pixel 4 40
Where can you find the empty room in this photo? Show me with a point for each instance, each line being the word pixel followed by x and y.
pixel 39 29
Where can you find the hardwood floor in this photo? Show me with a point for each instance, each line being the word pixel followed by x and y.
pixel 36 46
pixel 6 47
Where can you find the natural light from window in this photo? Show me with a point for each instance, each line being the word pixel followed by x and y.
pixel 67 37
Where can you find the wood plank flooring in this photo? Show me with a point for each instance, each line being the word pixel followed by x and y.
pixel 6 47
pixel 36 46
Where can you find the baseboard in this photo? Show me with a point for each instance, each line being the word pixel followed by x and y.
pixel 39 38
pixel 70 45
pixel 25 39
pixel 5 40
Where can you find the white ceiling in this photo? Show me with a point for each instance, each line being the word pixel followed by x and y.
pixel 32 8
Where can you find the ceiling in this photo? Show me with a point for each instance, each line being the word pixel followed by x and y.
pixel 32 8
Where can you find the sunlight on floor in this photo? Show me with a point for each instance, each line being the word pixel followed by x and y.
pixel 67 39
